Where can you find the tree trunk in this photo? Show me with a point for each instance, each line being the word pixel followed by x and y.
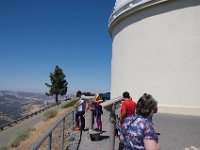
pixel 57 99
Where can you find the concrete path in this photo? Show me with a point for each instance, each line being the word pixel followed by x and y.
pixel 178 132
pixel 102 144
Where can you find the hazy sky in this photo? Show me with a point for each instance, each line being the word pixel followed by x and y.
pixel 37 35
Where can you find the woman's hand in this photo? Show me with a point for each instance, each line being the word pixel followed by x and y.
pixel 100 100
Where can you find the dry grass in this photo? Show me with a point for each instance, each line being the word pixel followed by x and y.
pixel 3 147
pixel 40 129
pixel 49 114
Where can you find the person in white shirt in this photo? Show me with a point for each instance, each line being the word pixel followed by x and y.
pixel 81 105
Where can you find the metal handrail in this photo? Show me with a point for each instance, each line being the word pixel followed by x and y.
pixel 25 117
pixel 48 134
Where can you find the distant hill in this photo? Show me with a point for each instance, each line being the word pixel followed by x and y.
pixel 14 105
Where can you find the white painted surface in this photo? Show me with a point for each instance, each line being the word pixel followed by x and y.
pixel 157 50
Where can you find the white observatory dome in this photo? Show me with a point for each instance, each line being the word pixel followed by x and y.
pixel 156 50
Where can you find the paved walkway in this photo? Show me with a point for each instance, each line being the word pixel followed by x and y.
pixel 177 133
pixel 102 144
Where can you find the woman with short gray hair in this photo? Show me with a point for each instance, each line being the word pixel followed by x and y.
pixel 138 130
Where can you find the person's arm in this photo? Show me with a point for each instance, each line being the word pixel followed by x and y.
pixel 122 116
pixel 122 113
pixel 86 108
pixel 100 100
pixel 151 138
pixel 151 145
pixel 96 99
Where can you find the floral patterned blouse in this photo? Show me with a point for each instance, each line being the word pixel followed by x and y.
pixel 135 129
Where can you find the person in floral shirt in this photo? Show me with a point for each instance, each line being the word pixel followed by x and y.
pixel 138 130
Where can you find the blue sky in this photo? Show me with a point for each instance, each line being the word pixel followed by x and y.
pixel 37 35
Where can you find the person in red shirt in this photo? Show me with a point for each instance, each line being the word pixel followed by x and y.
pixel 127 107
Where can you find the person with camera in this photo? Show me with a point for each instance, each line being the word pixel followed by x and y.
pixel 98 111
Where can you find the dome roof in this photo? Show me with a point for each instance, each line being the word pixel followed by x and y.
pixel 120 3
pixel 122 6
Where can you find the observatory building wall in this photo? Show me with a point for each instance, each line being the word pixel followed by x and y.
pixel 156 50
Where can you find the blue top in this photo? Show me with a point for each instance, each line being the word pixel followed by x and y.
pixel 135 129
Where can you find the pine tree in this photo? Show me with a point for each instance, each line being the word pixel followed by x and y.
pixel 58 84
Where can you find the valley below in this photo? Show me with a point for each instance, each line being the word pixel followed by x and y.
pixel 14 105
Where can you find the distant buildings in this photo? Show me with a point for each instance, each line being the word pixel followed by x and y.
pixel 156 49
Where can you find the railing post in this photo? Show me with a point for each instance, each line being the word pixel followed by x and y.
pixel 49 141
pixel 62 134
pixel 73 120
pixel 74 117
pixel 112 128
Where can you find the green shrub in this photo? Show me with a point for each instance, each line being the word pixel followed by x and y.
pixel 20 136
pixel 49 114
pixel 70 104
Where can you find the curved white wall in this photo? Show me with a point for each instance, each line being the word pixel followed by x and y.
pixel 157 50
